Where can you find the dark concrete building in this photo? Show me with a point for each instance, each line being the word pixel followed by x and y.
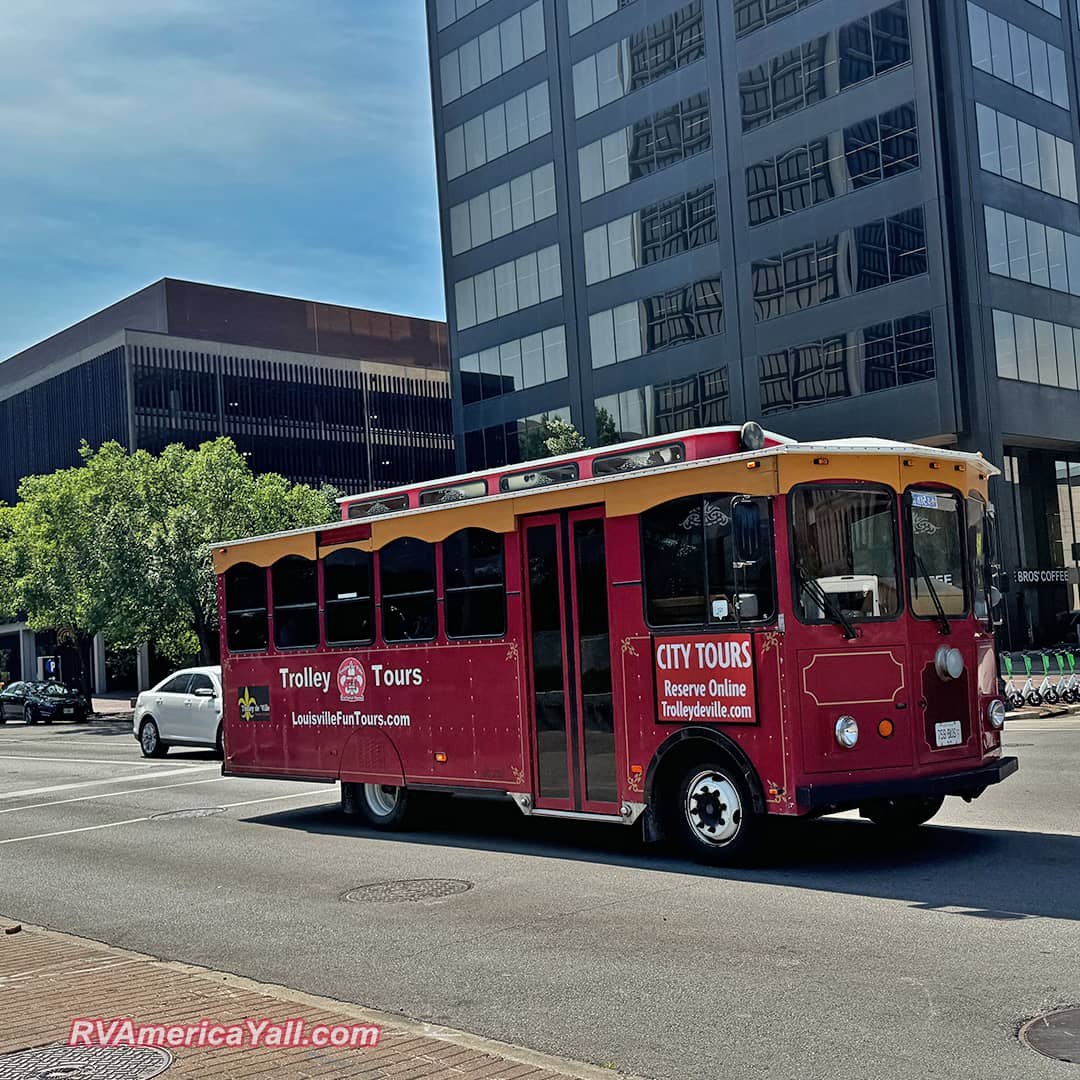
pixel 837 216
pixel 316 392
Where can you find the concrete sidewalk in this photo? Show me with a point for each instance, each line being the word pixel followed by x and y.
pixel 47 979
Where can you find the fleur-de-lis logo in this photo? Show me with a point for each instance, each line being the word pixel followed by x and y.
pixel 247 705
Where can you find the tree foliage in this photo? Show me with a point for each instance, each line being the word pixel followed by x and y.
pixel 121 544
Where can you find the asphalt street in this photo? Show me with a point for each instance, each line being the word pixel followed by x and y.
pixel 847 955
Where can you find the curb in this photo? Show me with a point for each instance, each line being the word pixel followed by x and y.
pixel 391 1021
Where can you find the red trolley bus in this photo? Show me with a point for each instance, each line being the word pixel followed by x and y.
pixel 692 632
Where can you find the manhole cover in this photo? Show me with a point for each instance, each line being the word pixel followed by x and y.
pixel 59 1061
pixel 195 811
pixel 397 892
pixel 1055 1034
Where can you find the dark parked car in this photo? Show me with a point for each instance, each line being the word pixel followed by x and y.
pixel 46 701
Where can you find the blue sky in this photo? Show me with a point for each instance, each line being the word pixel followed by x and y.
pixel 277 145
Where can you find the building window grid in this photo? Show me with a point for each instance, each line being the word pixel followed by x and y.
pixel 514 365
pixel 875 149
pixel 645 147
pixel 634 62
pixel 500 130
pixel 584 13
pixel 656 323
pixel 880 252
pixel 657 232
pixel 1017 57
pixel 511 443
pixel 448 12
pixel 825 66
pixel 501 48
pixel 512 286
pixel 1025 154
pixel 1031 252
pixel 879 357
pixel 1035 350
pixel 504 209
pixel 751 15
pixel 699 400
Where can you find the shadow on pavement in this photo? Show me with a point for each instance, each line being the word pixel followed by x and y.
pixel 985 873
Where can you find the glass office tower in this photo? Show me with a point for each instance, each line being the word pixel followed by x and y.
pixel 839 217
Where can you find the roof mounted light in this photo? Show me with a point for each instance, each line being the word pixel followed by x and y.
pixel 751 436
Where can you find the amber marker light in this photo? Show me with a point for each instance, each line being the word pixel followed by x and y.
pixel 440 758
pixel 636 770
pixel 886 728
pixel 821 461
pixel 753 464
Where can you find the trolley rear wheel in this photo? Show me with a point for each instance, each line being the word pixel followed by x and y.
pixel 383 806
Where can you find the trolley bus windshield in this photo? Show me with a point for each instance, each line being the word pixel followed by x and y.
pixel 844 552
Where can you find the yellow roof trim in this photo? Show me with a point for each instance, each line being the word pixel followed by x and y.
pixel 266 552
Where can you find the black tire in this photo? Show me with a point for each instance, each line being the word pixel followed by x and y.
pixel 219 742
pixel 382 806
pixel 1014 700
pixel 710 815
pixel 150 740
pixel 29 716
pixel 899 815
pixel 1033 698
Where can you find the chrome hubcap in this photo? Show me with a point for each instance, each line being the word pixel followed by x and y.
pixel 713 807
pixel 382 798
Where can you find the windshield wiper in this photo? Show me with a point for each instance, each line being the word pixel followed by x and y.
pixel 824 601
pixel 943 619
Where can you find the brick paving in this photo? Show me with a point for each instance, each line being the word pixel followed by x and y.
pixel 47 979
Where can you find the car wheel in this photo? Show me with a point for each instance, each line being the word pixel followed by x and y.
pixel 384 806
pixel 150 740
pixel 712 816
pixel 900 815
pixel 29 716
pixel 219 741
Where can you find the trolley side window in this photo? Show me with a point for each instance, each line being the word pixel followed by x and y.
pixel 407 587
pixel 295 587
pixel 474 584
pixel 936 571
pixel 246 624
pixel 844 553
pixel 349 597
pixel 708 560
pixel 374 507
pixel 981 555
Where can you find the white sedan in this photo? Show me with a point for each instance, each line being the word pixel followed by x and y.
pixel 182 710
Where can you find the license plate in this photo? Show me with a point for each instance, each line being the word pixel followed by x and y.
pixel 69 712
pixel 948 734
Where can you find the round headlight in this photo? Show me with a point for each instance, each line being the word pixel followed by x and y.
pixel 847 732
pixel 995 713
pixel 949 663
pixel 751 436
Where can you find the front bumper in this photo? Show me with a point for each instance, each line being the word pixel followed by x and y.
pixel 970 783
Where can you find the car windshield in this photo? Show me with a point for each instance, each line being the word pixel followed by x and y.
pixel 844 553
pixel 52 689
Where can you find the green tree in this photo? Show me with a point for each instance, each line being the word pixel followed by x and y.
pixel 195 499
pixel 121 544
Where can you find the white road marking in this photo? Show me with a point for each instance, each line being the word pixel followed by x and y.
pixel 101 783
pixel 86 760
pixel 136 820
pixel 111 794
